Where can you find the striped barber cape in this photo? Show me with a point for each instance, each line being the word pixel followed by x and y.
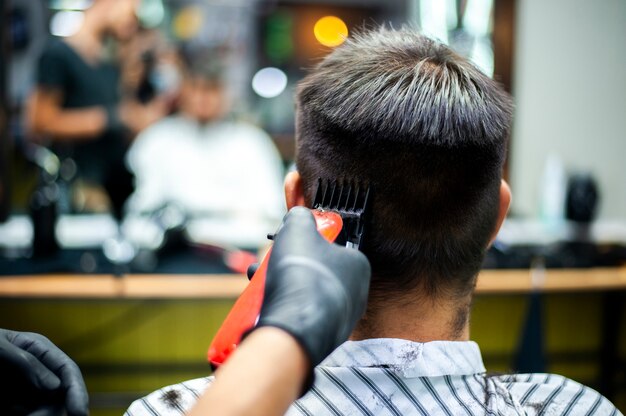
pixel 399 377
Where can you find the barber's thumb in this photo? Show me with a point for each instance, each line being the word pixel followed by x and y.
pixel 300 218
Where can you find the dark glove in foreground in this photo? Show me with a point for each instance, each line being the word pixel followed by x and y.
pixel 315 290
pixel 37 378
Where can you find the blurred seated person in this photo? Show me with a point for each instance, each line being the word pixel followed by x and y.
pixel 76 105
pixel 225 175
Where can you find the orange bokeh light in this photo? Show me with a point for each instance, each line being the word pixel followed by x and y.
pixel 330 31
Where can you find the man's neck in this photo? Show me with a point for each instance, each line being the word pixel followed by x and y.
pixel 421 320
pixel 89 40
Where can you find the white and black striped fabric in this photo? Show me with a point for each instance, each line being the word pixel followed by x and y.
pixel 398 377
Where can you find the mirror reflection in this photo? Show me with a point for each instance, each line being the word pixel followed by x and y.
pixel 138 128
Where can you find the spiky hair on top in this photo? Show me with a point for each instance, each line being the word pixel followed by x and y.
pixel 408 83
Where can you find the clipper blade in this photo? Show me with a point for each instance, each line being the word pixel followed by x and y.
pixel 349 199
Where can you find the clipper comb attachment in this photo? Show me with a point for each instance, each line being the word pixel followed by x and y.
pixel 349 199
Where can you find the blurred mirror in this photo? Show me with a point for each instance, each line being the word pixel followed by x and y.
pixel 151 126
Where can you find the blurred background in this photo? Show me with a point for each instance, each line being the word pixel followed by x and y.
pixel 150 138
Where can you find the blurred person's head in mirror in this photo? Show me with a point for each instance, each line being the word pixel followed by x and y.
pixel 203 94
pixel 116 18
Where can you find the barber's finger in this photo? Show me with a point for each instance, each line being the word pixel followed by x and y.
pixel 65 369
pixel 298 221
pixel 301 216
pixel 33 370
pixel 76 399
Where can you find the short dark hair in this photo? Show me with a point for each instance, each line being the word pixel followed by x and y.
pixel 427 130
pixel 202 64
pixel 207 71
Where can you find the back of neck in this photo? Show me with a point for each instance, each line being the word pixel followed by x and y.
pixel 421 319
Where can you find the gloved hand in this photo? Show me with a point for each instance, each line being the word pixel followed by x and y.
pixel 37 378
pixel 315 290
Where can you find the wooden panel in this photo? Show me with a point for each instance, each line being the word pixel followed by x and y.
pixel 132 286
pixel 557 280
pixel 230 286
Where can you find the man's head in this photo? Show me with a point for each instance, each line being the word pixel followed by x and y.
pixel 117 18
pixel 203 97
pixel 427 131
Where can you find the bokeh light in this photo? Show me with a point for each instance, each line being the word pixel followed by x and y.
pixel 279 45
pixel 330 31
pixel 269 82
pixel 66 22
pixel 151 13
pixel 70 4
pixel 188 22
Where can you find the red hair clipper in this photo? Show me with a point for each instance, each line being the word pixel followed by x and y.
pixel 338 209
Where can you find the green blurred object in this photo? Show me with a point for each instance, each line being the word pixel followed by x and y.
pixel 278 40
pixel 70 4
pixel 151 13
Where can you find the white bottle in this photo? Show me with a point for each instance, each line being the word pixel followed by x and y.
pixel 553 192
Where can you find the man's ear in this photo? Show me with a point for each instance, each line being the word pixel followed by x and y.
pixel 294 194
pixel 505 203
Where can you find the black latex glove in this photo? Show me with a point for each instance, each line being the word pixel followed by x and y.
pixel 315 290
pixel 37 378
